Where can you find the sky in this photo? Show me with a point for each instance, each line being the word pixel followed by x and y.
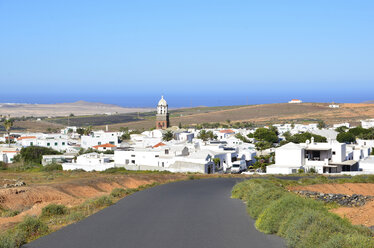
pixel 193 52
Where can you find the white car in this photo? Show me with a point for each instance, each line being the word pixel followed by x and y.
pixel 238 166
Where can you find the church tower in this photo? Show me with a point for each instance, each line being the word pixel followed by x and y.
pixel 162 117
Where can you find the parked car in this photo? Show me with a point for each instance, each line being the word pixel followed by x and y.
pixel 238 166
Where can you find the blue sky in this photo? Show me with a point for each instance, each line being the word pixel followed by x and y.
pixel 193 52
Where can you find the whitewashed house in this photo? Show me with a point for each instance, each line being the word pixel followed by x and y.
pixel 367 123
pixel 295 101
pixel 99 138
pixel 91 162
pixel 322 157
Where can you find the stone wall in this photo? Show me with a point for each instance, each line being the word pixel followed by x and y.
pixel 344 200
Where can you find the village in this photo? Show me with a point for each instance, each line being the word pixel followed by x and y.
pixel 276 149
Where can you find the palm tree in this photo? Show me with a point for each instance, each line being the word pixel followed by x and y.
pixel 8 124
pixel 167 136
pixel 88 130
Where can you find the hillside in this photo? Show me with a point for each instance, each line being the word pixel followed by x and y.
pixel 267 114
pixel 258 114
pixel 63 109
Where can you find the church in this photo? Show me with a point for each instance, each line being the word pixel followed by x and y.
pixel 162 116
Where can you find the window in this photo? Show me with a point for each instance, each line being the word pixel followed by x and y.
pixel 99 143
pixel 133 161
pixel 63 143
pixel 111 142
pixel 132 155
pixel 333 152
pixel 127 161
pixel 31 143
pixel 56 143
pixel 48 144
pixel 156 156
pixel 166 151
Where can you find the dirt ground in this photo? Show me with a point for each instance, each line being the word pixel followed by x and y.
pixel 70 190
pixel 363 215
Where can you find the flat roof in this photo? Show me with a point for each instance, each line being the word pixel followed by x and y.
pixel 317 149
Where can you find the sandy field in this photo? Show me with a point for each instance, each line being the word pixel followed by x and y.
pixel 363 215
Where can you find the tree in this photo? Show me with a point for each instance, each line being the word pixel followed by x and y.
pixel 321 124
pixel 206 135
pixel 262 145
pixel 80 131
pixel 167 136
pixel 345 137
pixel 8 124
pixel 217 162
pixel 88 130
pixel 34 154
pixel 303 137
pixel 341 129
pixel 265 134
pixel 180 125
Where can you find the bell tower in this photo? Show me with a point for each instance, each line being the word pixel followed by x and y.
pixel 162 117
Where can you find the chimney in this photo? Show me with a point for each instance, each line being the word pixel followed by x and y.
pixel 106 128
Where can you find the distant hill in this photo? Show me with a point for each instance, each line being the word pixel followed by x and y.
pixel 369 102
pixel 265 114
pixel 64 109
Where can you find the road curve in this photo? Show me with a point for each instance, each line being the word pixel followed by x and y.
pixel 194 213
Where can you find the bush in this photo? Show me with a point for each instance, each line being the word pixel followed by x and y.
pixel 52 167
pixel 9 213
pixel 34 154
pixel 32 227
pixel 302 222
pixel 54 209
pixel 99 202
pixel 277 212
pixel 3 165
pixel 13 239
pixel 118 192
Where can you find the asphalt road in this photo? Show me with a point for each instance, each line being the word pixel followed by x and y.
pixel 195 213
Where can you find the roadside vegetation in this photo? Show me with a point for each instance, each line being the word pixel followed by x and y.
pixel 54 216
pixel 300 221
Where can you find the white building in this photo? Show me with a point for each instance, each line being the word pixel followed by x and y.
pixel 295 101
pixel 367 123
pixel 99 138
pixel 55 141
pixel 322 157
pixel 334 106
pixel 91 162
pixel 7 153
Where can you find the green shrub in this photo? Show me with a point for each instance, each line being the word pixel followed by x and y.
pixel 75 216
pixel 277 212
pixel 304 223
pixel 9 213
pixel 102 201
pixel 3 165
pixel 34 154
pixel 118 192
pixel 54 209
pixel 52 167
pixel 32 227
pixel 348 241
pixel 13 239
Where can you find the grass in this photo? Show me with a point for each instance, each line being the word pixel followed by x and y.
pixel 29 229
pixel 302 222
pixel 54 209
